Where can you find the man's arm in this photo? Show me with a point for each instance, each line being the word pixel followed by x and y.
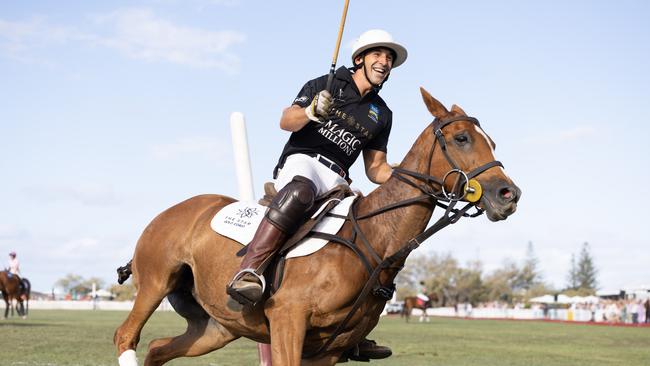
pixel 296 117
pixel 293 118
pixel 377 169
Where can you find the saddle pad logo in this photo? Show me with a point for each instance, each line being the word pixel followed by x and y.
pixel 373 113
pixel 247 212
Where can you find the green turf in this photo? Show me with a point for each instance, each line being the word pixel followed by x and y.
pixel 67 338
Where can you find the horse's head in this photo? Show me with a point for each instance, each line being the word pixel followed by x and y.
pixel 465 153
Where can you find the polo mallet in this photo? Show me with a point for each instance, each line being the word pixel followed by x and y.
pixel 338 45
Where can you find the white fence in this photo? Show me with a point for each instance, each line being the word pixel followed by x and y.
pixel 483 313
pixel 583 315
pixel 90 305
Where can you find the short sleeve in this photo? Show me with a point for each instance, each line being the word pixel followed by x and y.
pixel 308 91
pixel 380 142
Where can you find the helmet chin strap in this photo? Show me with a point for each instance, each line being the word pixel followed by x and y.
pixel 365 73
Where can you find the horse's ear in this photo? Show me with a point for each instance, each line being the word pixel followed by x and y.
pixel 434 106
pixel 459 110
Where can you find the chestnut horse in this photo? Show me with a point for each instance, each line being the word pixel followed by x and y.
pixel 412 302
pixel 180 257
pixel 10 288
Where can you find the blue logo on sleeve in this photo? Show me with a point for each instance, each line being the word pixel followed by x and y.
pixel 373 113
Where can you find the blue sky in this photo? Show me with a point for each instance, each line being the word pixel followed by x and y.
pixel 112 112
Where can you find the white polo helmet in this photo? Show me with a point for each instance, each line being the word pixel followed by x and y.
pixel 379 38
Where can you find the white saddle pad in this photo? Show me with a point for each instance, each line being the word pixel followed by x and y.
pixel 239 221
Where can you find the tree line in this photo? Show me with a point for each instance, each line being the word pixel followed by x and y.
pixel 79 287
pixel 452 283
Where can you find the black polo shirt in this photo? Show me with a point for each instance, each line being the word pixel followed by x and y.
pixel 358 123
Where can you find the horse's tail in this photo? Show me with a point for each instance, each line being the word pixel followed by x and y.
pixel 27 287
pixel 124 272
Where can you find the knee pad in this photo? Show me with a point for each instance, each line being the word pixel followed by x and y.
pixel 288 208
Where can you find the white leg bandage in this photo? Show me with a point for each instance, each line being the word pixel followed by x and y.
pixel 127 358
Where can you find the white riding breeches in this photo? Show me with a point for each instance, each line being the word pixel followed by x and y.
pixel 309 167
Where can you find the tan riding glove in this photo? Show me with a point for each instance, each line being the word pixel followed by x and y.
pixel 320 107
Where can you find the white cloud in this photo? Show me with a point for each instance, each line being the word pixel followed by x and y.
pixel 139 34
pixel 88 194
pixel 136 33
pixel 18 40
pixel 208 147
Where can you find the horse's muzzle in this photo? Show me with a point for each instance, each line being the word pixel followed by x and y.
pixel 500 201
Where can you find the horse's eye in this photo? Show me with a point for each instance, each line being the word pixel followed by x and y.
pixel 461 139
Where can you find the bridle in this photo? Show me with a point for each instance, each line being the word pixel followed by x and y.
pixel 463 177
pixel 451 216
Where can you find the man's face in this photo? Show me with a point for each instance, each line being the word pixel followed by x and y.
pixel 378 62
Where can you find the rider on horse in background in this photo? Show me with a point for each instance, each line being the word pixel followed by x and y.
pixel 14 269
pixel 423 299
pixel 330 128
pixel 14 264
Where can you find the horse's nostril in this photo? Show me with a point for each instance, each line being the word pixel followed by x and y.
pixel 508 194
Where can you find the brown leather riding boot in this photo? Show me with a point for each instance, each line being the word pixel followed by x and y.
pixel 247 287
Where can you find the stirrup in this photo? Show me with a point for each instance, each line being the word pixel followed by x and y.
pixel 241 274
pixel 236 295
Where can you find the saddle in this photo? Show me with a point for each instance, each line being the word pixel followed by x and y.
pixel 273 268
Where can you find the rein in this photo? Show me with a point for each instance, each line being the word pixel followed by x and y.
pixel 451 216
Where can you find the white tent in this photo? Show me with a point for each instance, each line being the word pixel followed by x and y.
pixel 103 293
pixel 563 299
pixel 546 299
pixel 577 299
pixel 592 299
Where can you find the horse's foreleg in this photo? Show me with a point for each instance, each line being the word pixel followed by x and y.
pixel 202 336
pixel 287 336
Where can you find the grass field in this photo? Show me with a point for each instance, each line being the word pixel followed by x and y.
pixel 67 338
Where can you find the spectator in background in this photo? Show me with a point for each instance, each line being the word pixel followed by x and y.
pixel 640 310
pixel 622 306
pixel 647 311
pixel 612 312
pixel 633 310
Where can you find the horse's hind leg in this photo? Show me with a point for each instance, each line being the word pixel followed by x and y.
pixel 202 336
